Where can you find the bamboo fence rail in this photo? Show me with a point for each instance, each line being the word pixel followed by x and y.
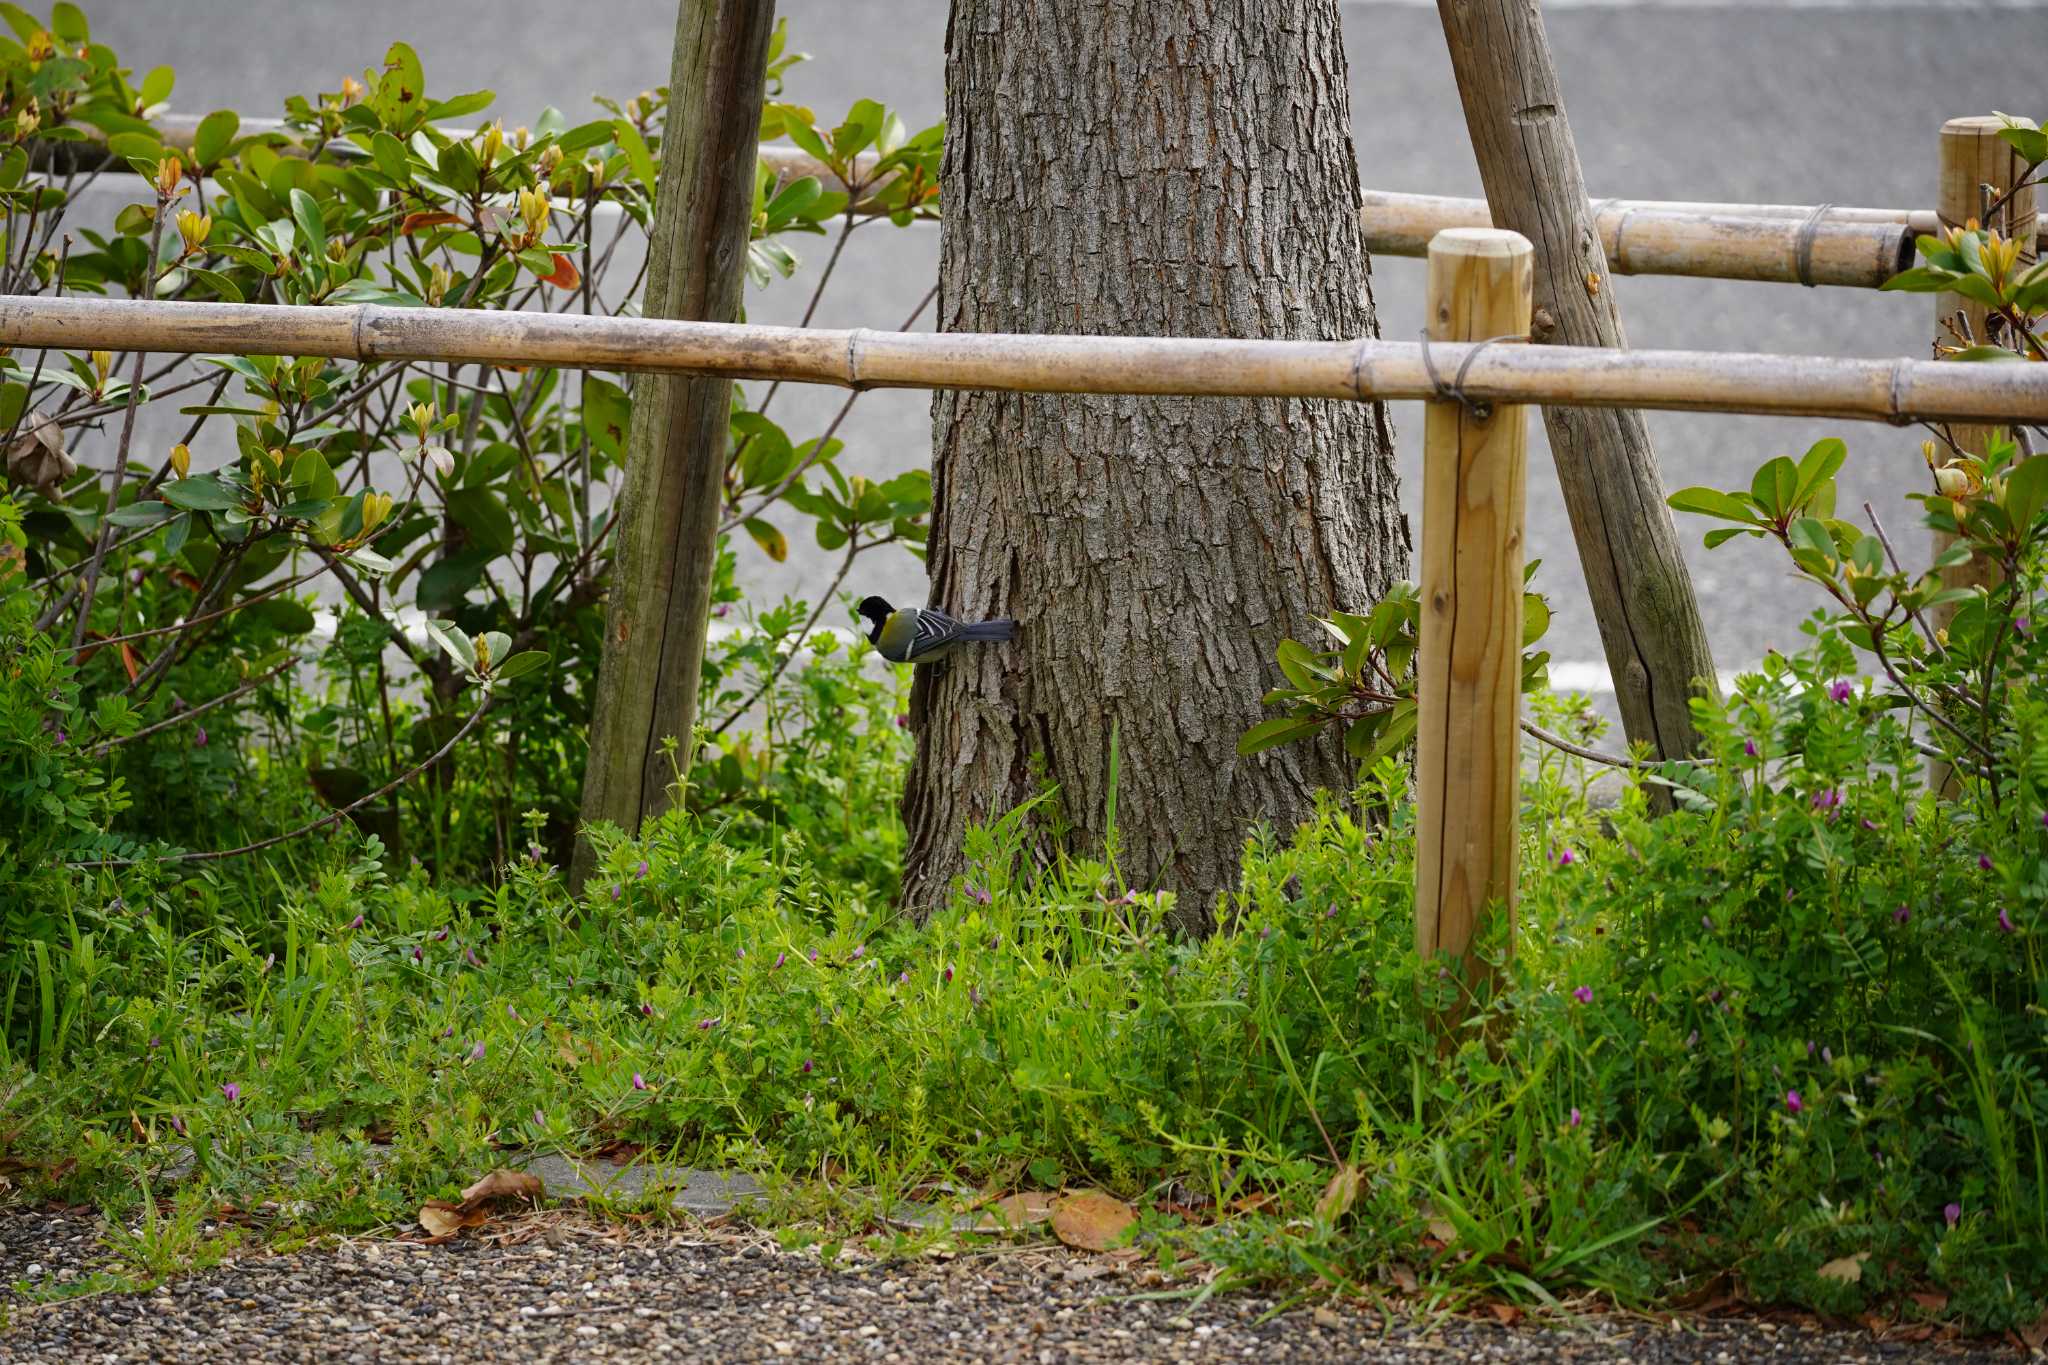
pixel 1822 244
pixel 1857 390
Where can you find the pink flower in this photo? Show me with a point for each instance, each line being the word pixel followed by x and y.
pixel 640 872
pixel 639 1083
pixel 1583 994
pixel 233 1092
pixel 1565 857
pixel 1827 798
pixel 1902 914
pixel 356 923
pixel 1793 1104
pixel 807 1066
pixel 199 737
pixel 1840 690
pixel 781 958
pixel 858 950
pixel 948 974
pixel 902 722
pixel 1577 1118
pixel 706 1025
pixel 476 1054
pixel 2005 921
pixel 1952 1214
pixel 417 955
pixel 617 890
pixel 540 1120
pixel 646 1010
pixel 1984 861
pixel 1749 748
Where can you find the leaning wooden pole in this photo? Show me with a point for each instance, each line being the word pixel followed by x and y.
pixel 1643 601
pixel 675 457
pixel 1468 667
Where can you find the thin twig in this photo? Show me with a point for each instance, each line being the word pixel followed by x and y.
pixel 393 785
pixel 104 533
pixel 189 712
pixel 1611 760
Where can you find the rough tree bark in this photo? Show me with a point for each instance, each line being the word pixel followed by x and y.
pixel 675 453
pixel 1170 170
pixel 1643 600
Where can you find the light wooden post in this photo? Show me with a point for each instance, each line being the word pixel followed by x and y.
pixel 1976 167
pixel 1468 672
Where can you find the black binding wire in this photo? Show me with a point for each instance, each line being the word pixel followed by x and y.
pixel 1802 252
pixel 1478 409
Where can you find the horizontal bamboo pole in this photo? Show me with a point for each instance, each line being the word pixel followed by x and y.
pixel 1642 238
pixel 1846 246
pixel 1809 386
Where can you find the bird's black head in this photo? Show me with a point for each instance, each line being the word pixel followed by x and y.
pixel 877 613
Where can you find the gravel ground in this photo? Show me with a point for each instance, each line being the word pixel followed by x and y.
pixel 560 1286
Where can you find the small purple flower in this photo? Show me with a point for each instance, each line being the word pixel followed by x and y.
pixel 1827 798
pixel 1984 861
pixel 448 1032
pixel 511 1012
pixel 706 1025
pixel 974 995
pixel 233 1092
pixel 640 872
pixel 742 952
pixel 1266 934
pixel 1330 913
pixel 1810 1049
pixel 1840 690
pixel 61 737
pixel 2044 819
pixel 1952 1214
pixel 469 954
pixel 858 950
pixel 1692 1039
pixel 722 610
pixel 540 1120
pixel 617 890
pixel 1577 1118
pixel 417 954
pixel 646 1010
pixel 178 1125
pixel 814 954
pixel 1901 915
pixel 1793 1104
pixel 1749 748
pixel 1869 823
pixel 902 722
pixel 807 1066
pixel 1583 994
pixel 780 958
pixel 441 937
pixel 356 923
pixel 269 962
pixel 1707 923
pixel 1565 857
pixel 639 1082
pixel 1827 1056
pixel 948 975
pixel 976 894
pixel 2005 921
pixel 476 1054
pixel 199 737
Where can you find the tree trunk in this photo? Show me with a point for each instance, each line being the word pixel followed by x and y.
pixel 675 453
pixel 1163 170
pixel 1643 600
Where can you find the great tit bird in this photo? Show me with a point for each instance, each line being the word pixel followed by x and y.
pixel 919 635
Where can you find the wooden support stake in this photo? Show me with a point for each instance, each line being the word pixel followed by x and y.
pixel 1643 600
pixel 675 456
pixel 1469 668
pixel 1976 168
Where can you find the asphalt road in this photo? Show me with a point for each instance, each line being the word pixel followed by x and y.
pixel 1781 104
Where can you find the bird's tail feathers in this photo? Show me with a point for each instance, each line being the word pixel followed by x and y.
pixel 1002 629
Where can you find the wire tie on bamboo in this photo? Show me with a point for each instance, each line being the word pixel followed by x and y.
pixel 854 339
pixel 1802 252
pixel 1478 409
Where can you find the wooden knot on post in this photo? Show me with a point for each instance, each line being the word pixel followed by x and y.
pixel 1469 666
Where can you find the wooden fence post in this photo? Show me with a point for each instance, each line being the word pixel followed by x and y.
pixel 1973 159
pixel 675 451
pixel 1469 669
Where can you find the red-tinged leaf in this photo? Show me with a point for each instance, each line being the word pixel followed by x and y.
pixel 416 222
pixel 130 664
pixel 564 275
pixel 184 580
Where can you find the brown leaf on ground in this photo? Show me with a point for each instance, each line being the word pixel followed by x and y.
pixel 1403 1276
pixel 504 1184
pixel 2036 1334
pixel 443 1220
pixel 1845 1269
pixel 1506 1314
pixel 1014 1211
pixel 1091 1220
pixel 1339 1195
pixel 1932 1302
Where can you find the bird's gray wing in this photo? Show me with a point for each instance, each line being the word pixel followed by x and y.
pixel 935 631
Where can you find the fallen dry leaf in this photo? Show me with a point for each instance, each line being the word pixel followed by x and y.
pixel 1403 1277
pixel 443 1220
pixel 1015 1211
pixel 1846 1269
pixel 1932 1302
pixel 1091 1220
pixel 1443 1230
pixel 1339 1195
pixel 37 459
pixel 504 1184
pixel 1506 1314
